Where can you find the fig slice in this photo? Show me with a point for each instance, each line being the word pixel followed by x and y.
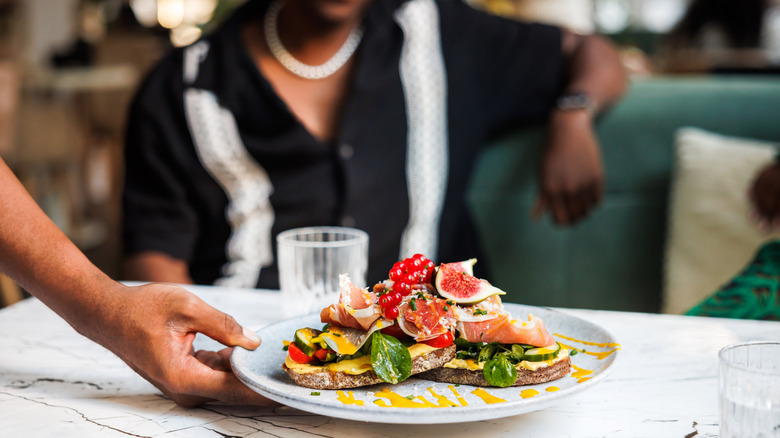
pixel 455 281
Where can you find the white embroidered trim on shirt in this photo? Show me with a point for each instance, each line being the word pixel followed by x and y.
pixel 246 184
pixel 424 83
pixel 193 56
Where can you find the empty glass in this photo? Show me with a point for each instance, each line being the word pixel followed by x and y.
pixel 311 260
pixel 749 384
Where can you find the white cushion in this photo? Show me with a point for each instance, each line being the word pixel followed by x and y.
pixel 711 237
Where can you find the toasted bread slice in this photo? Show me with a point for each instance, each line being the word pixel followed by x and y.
pixel 327 379
pixel 462 376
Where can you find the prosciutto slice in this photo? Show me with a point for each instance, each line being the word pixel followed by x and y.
pixel 430 318
pixel 357 308
pixel 489 308
pixel 506 330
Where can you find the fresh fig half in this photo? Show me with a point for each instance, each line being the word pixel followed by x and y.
pixel 456 282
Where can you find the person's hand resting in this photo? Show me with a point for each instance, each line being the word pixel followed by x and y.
pixel 571 178
pixel 152 327
pixel 764 195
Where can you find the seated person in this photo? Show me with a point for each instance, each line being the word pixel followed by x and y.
pixel 362 113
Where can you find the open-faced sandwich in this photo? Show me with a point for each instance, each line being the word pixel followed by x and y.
pixel 397 329
pixel 407 325
pixel 493 348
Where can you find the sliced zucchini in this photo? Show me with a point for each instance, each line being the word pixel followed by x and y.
pixel 540 354
pixel 304 339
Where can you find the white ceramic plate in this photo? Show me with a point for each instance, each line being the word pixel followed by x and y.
pixel 261 370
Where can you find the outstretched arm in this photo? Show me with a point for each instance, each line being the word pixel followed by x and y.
pixel 571 179
pixel 150 327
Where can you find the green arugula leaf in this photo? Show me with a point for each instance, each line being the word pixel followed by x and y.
pixel 390 359
pixel 487 353
pixel 500 372
pixel 463 344
pixel 517 353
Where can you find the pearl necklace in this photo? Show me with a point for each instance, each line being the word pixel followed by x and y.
pixel 293 65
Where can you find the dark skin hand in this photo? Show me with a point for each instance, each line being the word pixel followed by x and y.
pixel 764 194
pixel 571 177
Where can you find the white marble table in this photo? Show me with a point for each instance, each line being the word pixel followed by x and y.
pixel 53 382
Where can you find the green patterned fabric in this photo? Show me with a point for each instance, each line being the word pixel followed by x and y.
pixel 753 294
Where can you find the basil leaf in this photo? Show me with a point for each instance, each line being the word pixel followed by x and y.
pixel 500 372
pixel 389 358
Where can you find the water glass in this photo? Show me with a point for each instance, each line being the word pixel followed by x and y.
pixel 749 386
pixel 310 261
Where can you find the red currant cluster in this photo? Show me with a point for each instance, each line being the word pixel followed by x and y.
pixel 406 273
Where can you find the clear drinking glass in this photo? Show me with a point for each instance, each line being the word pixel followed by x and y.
pixel 311 259
pixel 749 386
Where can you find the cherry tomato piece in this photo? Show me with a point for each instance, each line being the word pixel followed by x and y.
pixel 298 355
pixel 442 341
pixel 323 353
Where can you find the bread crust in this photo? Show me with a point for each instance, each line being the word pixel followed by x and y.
pixel 476 378
pixel 340 380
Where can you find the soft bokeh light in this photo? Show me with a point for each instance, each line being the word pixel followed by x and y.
pixel 661 15
pixel 185 35
pixel 145 11
pixel 612 16
pixel 170 13
pixel 199 11
pixel 181 16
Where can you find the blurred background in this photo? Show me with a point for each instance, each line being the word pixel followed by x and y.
pixel 68 69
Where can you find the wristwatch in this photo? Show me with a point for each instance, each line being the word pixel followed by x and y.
pixel 575 101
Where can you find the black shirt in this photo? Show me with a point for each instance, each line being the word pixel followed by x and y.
pixel 499 74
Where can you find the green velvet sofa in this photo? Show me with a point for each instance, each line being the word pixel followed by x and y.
pixel 613 259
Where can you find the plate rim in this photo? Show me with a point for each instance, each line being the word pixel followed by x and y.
pixel 435 416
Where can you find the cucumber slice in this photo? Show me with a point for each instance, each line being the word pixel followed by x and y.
pixel 304 339
pixel 540 354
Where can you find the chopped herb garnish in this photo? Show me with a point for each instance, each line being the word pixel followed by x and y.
pixel 457 384
pixel 446 308
pixel 450 302
pixel 480 312
pixel 410 397
pixel 286 347
pixel 574 352
pixel 413 304
pixel 336 334
pixel 315 393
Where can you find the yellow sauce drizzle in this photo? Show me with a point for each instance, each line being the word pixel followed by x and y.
pixel 285 343
pixel 487 398
pixel 552 389
pixel 348 398
pixel 393 400
pixel 399 401
pixel 528 393
pixel 580 373
pixel 461 400
pixel 599 355
pixel 594 344
pixel 443 401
